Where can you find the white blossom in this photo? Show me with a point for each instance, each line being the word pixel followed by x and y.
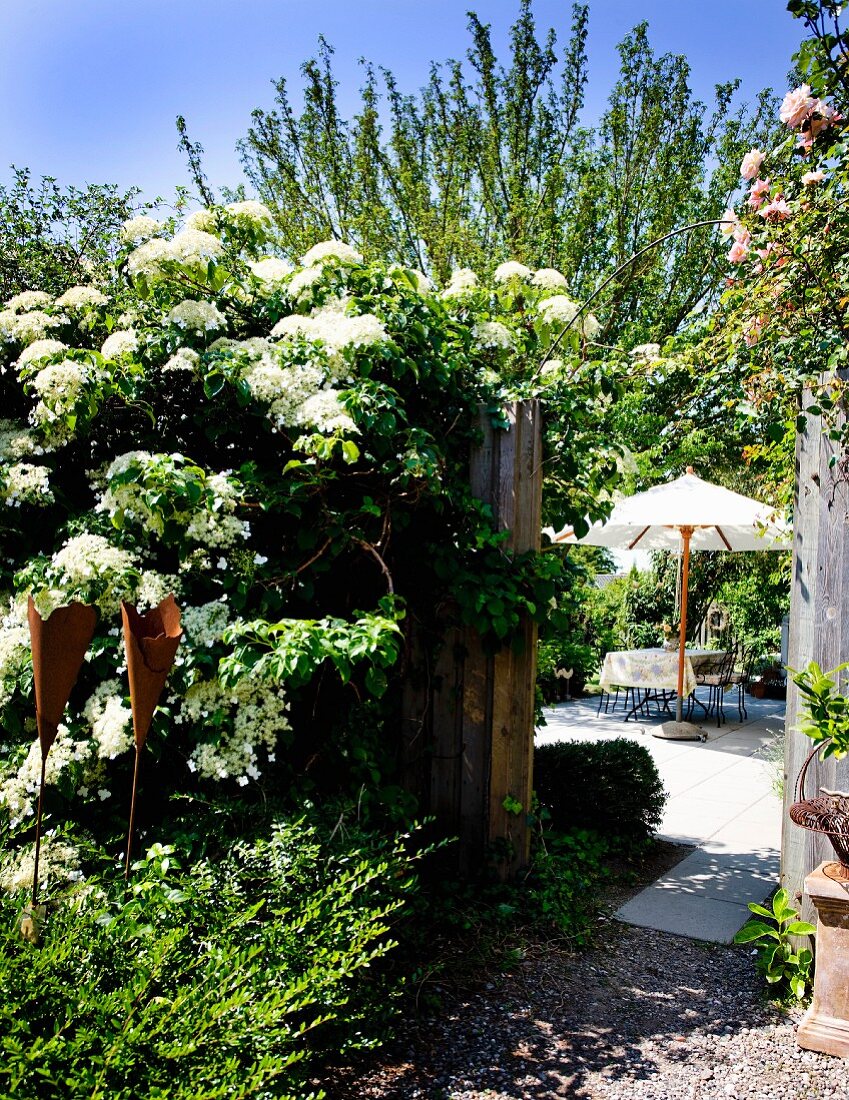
pixel 28 300
pixel 58 863
pixel 271 270
pixel 123 342
pixel 197 316
pixel 203 219
pixel 549 279
pixel 81 297
pixel 41 349
pixel 183 359
pixel 110 720
pixel 250 210
pixel 205 625
pixel 330 251
pixel 461 282
pixel 25 484
pixel 16 441
pixel 140 229
pixel 27 327
pixel 303 280
pixel 492 334
pixel 558 310
pixel 257 711
pixel 511 270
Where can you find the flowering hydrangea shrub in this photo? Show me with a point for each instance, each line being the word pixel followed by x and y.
pixel 285 448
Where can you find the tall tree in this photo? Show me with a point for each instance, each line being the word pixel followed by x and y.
pixel 490 162
pixel 54 238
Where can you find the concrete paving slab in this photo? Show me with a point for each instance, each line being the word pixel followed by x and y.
pixel 721 800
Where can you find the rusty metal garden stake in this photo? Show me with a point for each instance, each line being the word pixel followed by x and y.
pixel 151 640
pixel 59 644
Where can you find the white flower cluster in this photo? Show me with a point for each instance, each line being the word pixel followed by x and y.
pixel 139 229
pixel 271 271
pixel 19 792
pixel 183 359
pixel 118 344
pixel 90 568
pixel 511 270
pixel 79 298
pixel 16 441
pixel 24 483
pixel 58 863
pixel 331 251
pixel 492 334
pixel 646 352
pixel 462 281
pixel 251 211
pixel 549 279
pixel 58 388
pixel 24 328
pixel 216 526
pixel 197 316
pixel 205 625
pixel 334 327
pixel 203 219
pixel 558 310
pixel 191 248
pixel 154 587
pixel 211 522
pixel 257 711
pixel 28 300
pixel 14 649
pixel 110 720
pixel 302 280
pixel 41 349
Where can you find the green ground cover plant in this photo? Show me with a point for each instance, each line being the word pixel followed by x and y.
pixel 207 977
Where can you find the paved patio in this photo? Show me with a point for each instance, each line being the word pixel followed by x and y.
pixel 720 799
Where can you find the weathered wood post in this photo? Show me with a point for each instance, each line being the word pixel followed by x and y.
pixel 468 721
pixel 819 624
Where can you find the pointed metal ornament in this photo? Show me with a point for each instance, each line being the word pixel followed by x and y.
pixel 59 645
pixel 151 641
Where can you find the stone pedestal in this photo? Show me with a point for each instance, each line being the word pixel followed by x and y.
pixel 825 1026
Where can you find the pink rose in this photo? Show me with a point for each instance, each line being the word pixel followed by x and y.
pixel 805 141
pixel 742 236
pixel 777 211
pixel 796 106
pixel 738 252
pixel 751 164
pixel 758 193
pixel 729 222
pixel 810 178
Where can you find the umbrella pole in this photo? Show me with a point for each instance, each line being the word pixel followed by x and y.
pixel 686 533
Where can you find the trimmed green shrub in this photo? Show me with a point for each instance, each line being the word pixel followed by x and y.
pixel 223 980
pixel 611 786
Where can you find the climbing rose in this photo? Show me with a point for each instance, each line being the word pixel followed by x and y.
pixel 811 178
pixel 738 252
pixel 729 222
pixel 778 210
pixel 796 106
pixel 758 193
pixel 751 164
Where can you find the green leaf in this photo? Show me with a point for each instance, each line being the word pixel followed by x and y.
pixel 800 928
pixel 755 930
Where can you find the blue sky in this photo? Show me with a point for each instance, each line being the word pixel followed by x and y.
pixel 90 88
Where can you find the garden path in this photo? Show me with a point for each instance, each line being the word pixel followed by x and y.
pixel 721 800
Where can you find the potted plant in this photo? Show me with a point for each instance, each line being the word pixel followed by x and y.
pixel 825 719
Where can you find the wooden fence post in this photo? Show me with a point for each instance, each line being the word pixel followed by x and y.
pixel 468 716
pixel 819 625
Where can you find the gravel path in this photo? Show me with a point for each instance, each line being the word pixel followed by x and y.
pixel 647 1016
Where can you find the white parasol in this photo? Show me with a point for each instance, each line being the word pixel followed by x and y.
pixel 686 514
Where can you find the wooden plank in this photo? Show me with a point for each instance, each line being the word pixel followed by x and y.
pixel 476 726
pixel 819 628
pixel 514 671
pixel 447 733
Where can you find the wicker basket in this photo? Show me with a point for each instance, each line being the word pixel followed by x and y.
pixel 827 814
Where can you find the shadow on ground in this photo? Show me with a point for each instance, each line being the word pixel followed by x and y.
pixel 573 1026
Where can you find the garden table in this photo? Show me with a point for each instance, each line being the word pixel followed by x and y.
pixel 653 670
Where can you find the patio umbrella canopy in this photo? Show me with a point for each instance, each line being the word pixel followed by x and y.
pixel 686 514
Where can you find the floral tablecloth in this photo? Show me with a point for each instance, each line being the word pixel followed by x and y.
pixel 654 668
